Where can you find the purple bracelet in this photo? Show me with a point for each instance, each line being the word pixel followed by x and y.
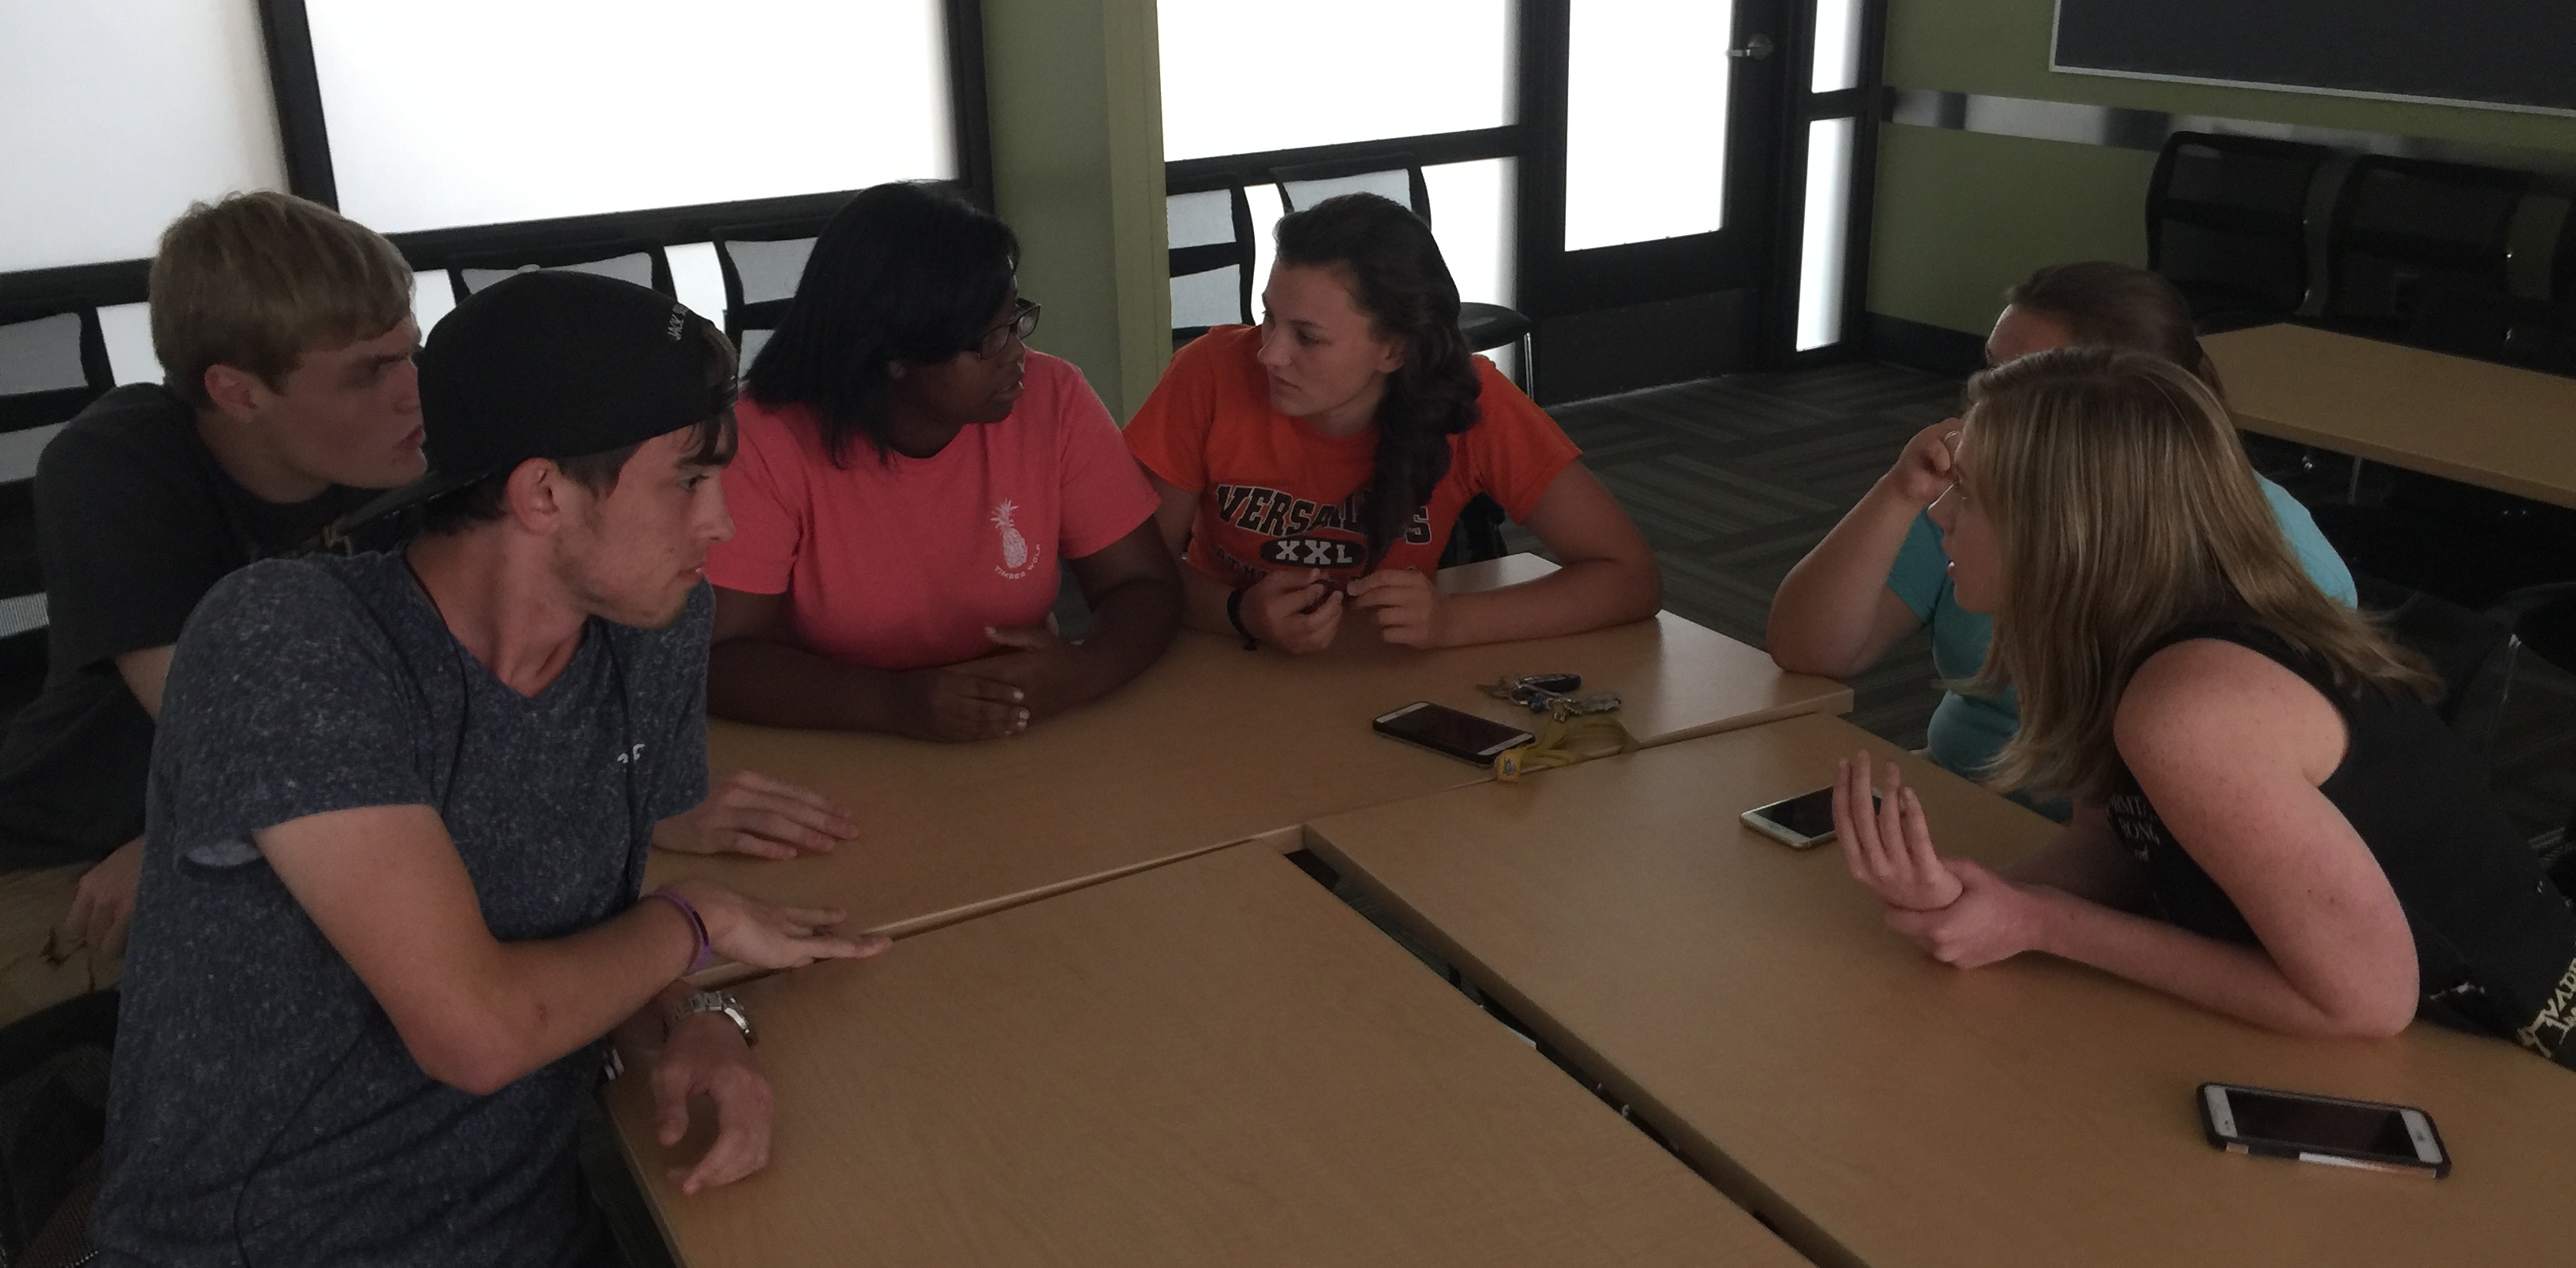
pixel 706 950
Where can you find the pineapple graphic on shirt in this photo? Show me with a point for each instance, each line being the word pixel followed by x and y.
pixel 1015 548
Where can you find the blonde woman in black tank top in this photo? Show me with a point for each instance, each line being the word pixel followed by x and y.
pixel 2271 821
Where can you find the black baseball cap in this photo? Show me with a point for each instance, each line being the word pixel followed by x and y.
pixel 554 364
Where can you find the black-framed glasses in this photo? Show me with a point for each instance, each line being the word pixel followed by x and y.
pixel 1023 323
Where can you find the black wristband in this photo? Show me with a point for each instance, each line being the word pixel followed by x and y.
pixel 1234 617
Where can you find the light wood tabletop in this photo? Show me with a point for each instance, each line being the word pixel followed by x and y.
pixel 1882 1109
pixel 1214 1062
pixel 2496 426
pixel 1212 745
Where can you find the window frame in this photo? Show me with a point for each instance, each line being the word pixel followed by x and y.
pixel 304 139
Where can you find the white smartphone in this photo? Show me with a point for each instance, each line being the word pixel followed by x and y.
pixel 1802 822
pixel 2323 1129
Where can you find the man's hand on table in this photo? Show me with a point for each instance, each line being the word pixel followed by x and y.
pixel 750 813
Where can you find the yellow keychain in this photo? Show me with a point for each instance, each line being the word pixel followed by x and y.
pixel 1569 737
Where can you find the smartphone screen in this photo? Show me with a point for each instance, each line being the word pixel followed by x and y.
pixel 2297 1120
pixel 1808 815
pixel 1460 735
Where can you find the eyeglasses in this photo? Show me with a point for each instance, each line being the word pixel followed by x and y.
pixel 1023 323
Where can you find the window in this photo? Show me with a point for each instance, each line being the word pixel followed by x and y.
pixel 1247 79
pixel 119 117
pixel 1646 120
pixel 496 111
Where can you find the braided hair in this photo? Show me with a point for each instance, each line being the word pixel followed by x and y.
pixel 1385 255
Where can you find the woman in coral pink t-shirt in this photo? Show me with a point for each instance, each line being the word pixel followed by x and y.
pixel 910 476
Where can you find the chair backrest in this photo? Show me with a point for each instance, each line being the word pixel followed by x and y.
pixel 2464 321
pixel 2401 226
pixel 2562 261
pixel 636 260
pixel 762 266
pixel 2227 221
pixel 1211 260
pixel 1394 176
pixel 53 363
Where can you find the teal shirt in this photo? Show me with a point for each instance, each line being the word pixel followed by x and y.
pixel 1967 731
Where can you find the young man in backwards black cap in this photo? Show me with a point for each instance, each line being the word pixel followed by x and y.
pixel 400 807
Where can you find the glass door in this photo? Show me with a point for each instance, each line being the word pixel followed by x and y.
pixel 1651 193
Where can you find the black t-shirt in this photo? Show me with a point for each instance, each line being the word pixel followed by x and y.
pixel 263 1109
pixel 135 522
pixel 2495 941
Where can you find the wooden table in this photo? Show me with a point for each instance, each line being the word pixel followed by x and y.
pixel 1881 1109
pixel 1214 1062
pixel 2496 426
pixel 1211 746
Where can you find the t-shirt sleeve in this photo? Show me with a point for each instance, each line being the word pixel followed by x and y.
pixel 1103 493
pixel 1517 449
pixel 2316 554
pixel 1920 569
pixel 1169 433
pixel 764 492
pixel 126 555
pixel 285 700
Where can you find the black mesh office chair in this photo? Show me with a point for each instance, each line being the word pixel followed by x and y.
pixel 53 363
pixel 1211 258
pixel 2562 261
pixel 636 260
pixel 2403 227
pixel 1399 178
pixel 2227 224
pixel 2535 334
pixel 1479 531
pixel 762 266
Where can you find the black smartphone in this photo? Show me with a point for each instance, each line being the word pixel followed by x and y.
pixel 1445 730
pixel 1802 822
pixel 2324 1129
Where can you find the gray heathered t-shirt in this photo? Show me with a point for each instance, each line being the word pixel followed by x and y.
pixel 263 1110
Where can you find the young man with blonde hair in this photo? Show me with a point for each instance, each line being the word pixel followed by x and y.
pixel 289 400
pixel 285 333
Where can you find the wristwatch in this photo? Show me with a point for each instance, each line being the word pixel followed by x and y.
pixel 719 1002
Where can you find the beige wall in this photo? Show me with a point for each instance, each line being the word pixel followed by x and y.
pixel 1960 216
pixel 1075 93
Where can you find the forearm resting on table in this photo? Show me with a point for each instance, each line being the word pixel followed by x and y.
pixel 1827 616
pixel 1203 601
pixel 2086 859
pixel 531 1003
pixel 2242 982
pixel 1132 624
pixel 1582 594
pixel 774 684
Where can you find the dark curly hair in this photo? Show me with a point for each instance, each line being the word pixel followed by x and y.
pixel 903 272
pixel 1386 255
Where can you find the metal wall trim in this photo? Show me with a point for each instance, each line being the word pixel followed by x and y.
pixel 2122 128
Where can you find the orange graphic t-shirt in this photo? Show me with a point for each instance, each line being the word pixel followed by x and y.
pixel 1275 493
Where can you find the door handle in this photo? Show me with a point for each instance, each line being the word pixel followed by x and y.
pixel 1756 47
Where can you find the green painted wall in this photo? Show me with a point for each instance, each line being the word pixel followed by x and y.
pixel 1074 87
pixel 1960 216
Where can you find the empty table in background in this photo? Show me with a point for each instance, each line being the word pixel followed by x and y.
pixel 2496 426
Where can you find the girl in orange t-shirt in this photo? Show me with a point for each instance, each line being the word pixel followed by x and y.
pixel 1319 460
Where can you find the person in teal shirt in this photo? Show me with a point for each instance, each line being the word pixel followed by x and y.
pixel 1880 574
